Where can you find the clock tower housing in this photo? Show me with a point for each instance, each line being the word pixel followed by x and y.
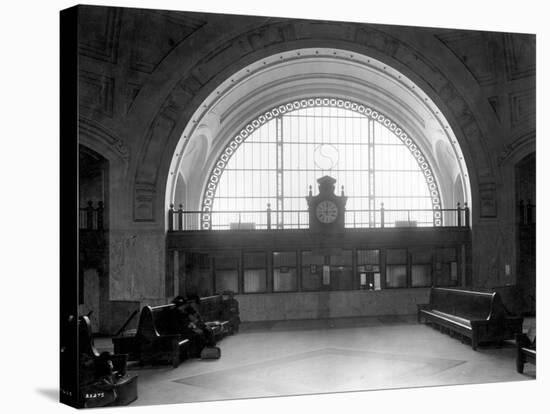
pixel 326 209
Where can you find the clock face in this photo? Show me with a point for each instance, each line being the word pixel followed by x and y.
pixel 326 211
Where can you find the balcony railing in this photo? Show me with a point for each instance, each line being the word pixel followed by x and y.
pixel 269 219
pixel 526 213
pixel 91 218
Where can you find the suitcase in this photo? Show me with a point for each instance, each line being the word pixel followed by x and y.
pixel 212 352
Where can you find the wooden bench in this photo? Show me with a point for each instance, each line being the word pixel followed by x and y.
pixel 526 352
pixel 479 316
pixel 155 340
pixel 102 383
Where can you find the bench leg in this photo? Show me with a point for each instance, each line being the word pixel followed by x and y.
pixel 175 353
pixel 520 361
pixel 519 365
pixel 175 359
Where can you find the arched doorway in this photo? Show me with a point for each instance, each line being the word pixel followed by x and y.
pixel 525 190
pixel 93 234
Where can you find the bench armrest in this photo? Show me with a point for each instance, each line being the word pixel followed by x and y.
pixel 522 341
pixel 419 307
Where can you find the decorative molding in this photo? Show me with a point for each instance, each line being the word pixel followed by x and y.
pixel 522 107
pixel 161 129
pixel 157 34
pixel 520 55
pixel 496 104
pixel 96 92
pixel 487 200
pixel 144 202
pixel 376 40
pixel 132 91
pixel 475 51
pixel 524 144
pixel 103 140
pixel 99 32
pixel 248 129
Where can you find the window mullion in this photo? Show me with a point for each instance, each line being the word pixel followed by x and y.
pixel 280 171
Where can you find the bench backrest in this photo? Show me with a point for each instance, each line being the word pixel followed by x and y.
pixel 85 338
pixel 466 304
pixel 211 307
pixel 155 321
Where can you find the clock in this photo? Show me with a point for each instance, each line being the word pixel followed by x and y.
pixel 326 211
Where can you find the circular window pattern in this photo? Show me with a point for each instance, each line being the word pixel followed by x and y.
pixel 327 155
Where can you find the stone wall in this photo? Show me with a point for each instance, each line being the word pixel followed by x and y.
pixel 338 304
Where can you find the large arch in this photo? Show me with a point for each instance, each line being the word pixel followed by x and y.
pixel 299 77
pixel 205 78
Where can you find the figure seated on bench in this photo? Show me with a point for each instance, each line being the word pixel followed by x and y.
pixel 526 351
pixel 102 377
pixel 187 321
pixel 181 328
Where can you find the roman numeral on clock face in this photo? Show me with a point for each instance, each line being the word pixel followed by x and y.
pixel 326 211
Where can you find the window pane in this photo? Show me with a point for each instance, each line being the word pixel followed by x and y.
pixel 341 278
pixel 284 259
pixel 227 280
pixel 367 257
pixel 312 277
pixel 309 258
pixel 396 276
pixel 227 263
pixel 254 260
pixel 421 275
pixel 446 274
pixel 419 255
pixel 343 259
pixel 284 280
pixel 446 271
pixel 254 280
pixel 396 256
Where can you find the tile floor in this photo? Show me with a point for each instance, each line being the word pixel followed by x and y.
pixel 332 355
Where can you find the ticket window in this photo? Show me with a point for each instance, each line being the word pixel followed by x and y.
pixel 198 274
pixel 226 274
pixel 396 268
pixel 446 267
pixel 341 270
pixel 421 267
pixel 368 269
pixel 312 271
pixel 254 272
pixel 284 272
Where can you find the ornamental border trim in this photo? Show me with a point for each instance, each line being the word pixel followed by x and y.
pixel 234 144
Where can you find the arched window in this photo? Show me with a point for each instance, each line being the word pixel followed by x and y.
pixel 279 154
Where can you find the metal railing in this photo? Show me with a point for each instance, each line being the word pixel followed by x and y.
pixel 90 217
pixel 526 213
pixel 269 219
